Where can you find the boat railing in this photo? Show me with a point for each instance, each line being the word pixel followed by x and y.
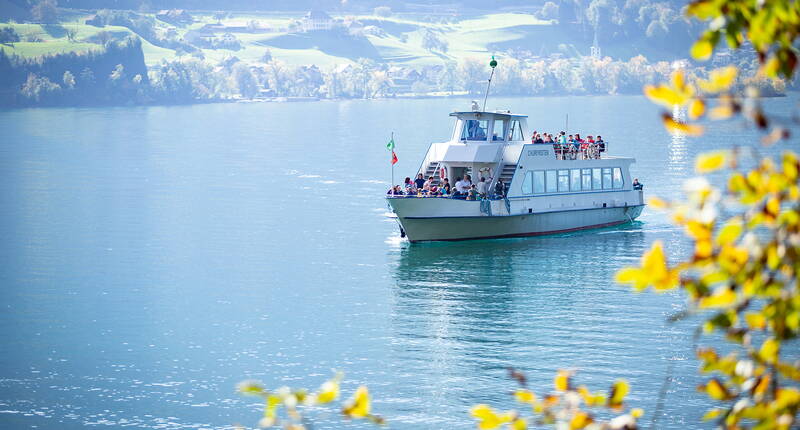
pixel 578 151
pixel 448 196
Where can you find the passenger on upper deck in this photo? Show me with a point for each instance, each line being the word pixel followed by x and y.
pixel 562 138
pixel 636 184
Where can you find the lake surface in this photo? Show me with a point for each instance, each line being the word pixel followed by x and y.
pixel 154 257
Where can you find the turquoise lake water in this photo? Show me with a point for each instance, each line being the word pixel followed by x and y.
pixel 154 257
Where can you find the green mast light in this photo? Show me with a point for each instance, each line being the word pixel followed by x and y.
pixel 493 63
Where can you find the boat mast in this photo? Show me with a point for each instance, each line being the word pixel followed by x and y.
pixel 492 64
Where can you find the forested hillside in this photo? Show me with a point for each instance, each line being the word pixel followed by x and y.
pixel 158 52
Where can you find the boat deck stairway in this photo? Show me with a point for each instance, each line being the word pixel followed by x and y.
pixel 507 172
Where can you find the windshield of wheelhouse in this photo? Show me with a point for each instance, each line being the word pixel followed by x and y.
pixel 474 130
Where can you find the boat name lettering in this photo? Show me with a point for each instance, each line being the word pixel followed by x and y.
pixel 538 153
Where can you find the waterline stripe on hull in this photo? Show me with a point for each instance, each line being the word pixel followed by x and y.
pixel 525 214
pixel 531 234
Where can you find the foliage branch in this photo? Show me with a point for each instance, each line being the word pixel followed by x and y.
pixel 743 273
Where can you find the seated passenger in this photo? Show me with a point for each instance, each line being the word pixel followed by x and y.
pixel 446 188
pixel 462 187
pixel 419 182
pixel 434 191
pixel 468 179
pixel 472 194
pixel 636 184
pixel 538 139
pixel 589 139
pixel 426 187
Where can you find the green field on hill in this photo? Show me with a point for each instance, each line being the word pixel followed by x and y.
pixel 396 39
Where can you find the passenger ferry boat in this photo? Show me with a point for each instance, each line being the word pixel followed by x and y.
pixel 547 191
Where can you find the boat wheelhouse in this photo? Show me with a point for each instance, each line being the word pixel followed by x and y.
pixel 546 188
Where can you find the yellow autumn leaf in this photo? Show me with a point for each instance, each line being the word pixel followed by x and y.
pixel 730 231
pixel 755 320
pixel 359 405
pixel 519 424
pixel 657 203
pixel 710 415
pixel 710 161
pixel 665 96
pixel 721 111
pixel 722 297
pixel 487 418
pixel 618 392
pixel 773 206
pixel 328 392
pixel 250 387
pixel 769 350
pixel 580 420
pixel 680 128
pixel 702 49
pixel 562 380
pixel 763 385
pixel 703 9
pixel 716 390
pixel 524 396
pixel 719 80
pixel 697 108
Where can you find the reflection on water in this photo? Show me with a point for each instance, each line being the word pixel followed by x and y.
pixel 476 308
pixel 678 154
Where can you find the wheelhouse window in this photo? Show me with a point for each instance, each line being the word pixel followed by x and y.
pixel 499 130
pixel 475 130
pixel 515 132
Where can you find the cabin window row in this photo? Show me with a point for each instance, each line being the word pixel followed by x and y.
pixel 567 180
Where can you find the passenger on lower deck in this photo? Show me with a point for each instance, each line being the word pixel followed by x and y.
pixel 420 181
pixel 483 187
pixel 446 188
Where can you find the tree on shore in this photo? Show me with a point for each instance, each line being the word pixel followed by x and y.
pixel 45 11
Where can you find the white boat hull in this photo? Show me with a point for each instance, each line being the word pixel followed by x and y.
pixel 466 227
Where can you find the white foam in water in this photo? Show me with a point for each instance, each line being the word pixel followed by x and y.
pixel 309 176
